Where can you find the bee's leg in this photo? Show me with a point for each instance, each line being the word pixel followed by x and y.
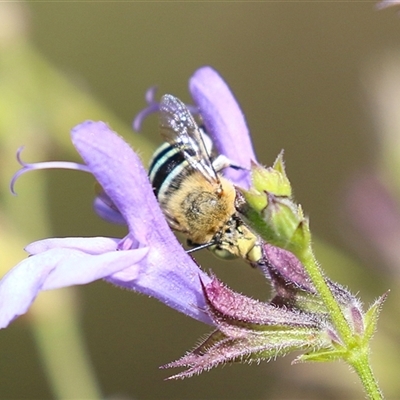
pixel 173 223
pixel 222 162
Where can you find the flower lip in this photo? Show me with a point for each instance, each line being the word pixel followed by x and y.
pixel 149 260
pixel 56 268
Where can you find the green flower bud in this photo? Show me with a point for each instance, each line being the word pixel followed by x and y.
pixel 281 214
pixel 271 212
pixel 256 200
pixel 273 179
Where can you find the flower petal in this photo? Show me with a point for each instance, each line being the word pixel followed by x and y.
pixel 104 210
pixel 167 273
pixel 90 245
pixel 224 121
pixel 121 174
pixel 175 282
pixel 53 269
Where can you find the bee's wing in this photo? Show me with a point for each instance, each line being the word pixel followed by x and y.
pixel 179 128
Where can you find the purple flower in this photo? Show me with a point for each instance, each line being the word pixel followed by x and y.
pixel 149 259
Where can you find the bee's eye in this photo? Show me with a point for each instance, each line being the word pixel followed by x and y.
pixel 222 253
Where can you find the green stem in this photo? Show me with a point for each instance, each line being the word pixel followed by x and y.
pixel 359 360
pixel 363 369
pixel 310 264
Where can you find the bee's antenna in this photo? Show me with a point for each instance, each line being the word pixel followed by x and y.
pixel 200 247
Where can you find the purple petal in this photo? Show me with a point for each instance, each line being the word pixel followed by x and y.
pixel 175 283
pixel 224 121
pixel 107 212
pixel 95 245
pixel 159 267
pixel 167 273
pixel 121 174
pixel 53 269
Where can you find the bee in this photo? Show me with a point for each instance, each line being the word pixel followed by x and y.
pixel 195 198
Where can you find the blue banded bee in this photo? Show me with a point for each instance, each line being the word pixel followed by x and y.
pixel 195 198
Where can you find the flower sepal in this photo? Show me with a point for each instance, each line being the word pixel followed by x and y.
pixel 321 356
pixel 273 179
pixel 269 209
pixel 371 316
pixel 249 331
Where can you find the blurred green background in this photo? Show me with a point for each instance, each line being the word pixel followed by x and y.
pixel 306 75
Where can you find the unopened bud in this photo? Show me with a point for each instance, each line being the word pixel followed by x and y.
pixel 272 179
